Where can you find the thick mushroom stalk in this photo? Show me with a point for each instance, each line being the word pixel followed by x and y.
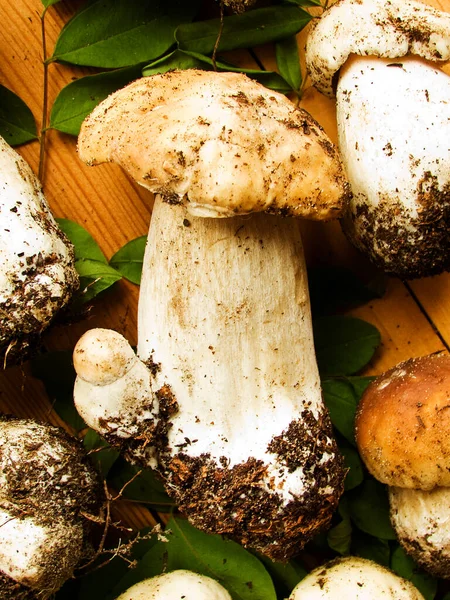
pixel 37 274
pixel 48 489
pixel 403 436
pixel 241 434
pixel 393 117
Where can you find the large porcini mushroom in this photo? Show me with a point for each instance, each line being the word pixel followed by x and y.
pixel 355 578
pixel 403 436
pixel 177 584
pixel 379 58
pixel 48 491
pixel 235 421
pixel 37 275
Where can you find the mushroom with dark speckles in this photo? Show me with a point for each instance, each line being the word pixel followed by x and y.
pixel 380 60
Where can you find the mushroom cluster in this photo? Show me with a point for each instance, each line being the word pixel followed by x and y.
pixel 37 274
pixel 403 436
pixel 380 60
pixel 225 398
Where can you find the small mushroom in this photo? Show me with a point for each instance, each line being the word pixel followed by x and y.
pixel 355 578
pixel 37 274
pixel 403 436
pixel 379 58
pixel 177 584
pixel 239 430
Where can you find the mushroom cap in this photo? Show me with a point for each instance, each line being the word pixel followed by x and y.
pixel 177 584
pixel 355 578
pixel 389 29
pixel 403 424
pixel 220 143
pixel 422 523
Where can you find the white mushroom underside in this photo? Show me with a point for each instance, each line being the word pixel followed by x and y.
pixel 394 129
pixel 230 325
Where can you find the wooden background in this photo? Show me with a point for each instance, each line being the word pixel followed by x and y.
pixel 413 318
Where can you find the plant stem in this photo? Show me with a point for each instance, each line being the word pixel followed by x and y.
pixel 44 99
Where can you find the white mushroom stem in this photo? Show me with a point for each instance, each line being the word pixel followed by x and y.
pixel 177 584
pixel 394 127
pixel 355 578
pixel 421 520
pixel 37 273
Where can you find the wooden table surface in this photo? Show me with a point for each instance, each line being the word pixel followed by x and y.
pixel 413 318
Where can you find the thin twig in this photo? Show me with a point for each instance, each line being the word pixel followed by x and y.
pixel 219 35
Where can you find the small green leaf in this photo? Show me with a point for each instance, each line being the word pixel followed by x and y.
pixel 48 3
pixel 180 59
pixel 344 345
pixel 352 462
pixel 95 277
pixel 370 547
pixel 101 454
pixel 369 509
pixel 146 488
pixel 285 576
pixel 339 537
pixel 404 565
pixel 17 123
pixel 288 61
pixel 84 244
pixel 55 370
pixel 77 99
pixel 341 401
pixel 120 33
pixel 255 27
pixel 129 259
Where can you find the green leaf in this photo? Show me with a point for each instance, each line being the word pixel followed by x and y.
pixel 370 547
pixel 288 61
pixel 255 27
pixel 101 454
pixel 95 277
pixel 180 59
pixel 84 244
pixel 17 123
pixel 77 99
pixel 129 259
pixel 352 462
pixel 344 345
pixel 404 565
pixel 369 509
pixel 308 3
pixel 120 33
pixel 147 488
pixel 285 576
pixel 239 571
pixel 48 3
pixel 339 537
pixel 55 370
pixel 341 401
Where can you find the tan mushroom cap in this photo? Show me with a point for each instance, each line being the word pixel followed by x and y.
pixel 403 424
pixel 220 143
pixel 384 28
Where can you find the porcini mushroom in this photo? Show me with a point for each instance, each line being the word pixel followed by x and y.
pixel 37 274
pixel 403 436
pixel 355 578
pixel 48 489
pixel 177 584
pixel 380 60
pixel 240 433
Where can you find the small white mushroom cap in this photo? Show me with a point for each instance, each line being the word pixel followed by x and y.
pixel 37 273
pixel 176 585
pixel 390 29
pixel 421 520
pixel 355 578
